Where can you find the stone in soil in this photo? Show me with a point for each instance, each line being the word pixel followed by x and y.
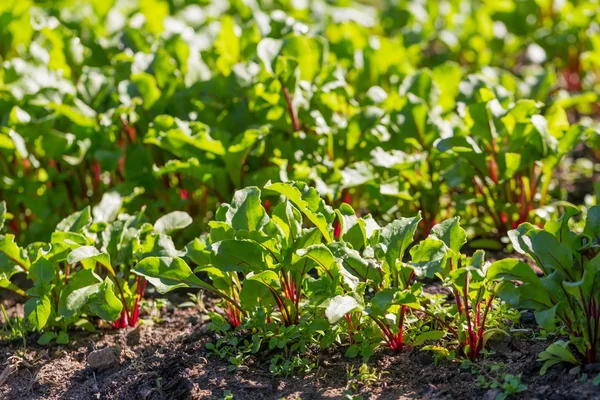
pixel 103 358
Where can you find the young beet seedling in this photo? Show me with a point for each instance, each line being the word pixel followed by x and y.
pixel 396 293
pixel 259 261
pixel 507 157
pixel 384 290
pixel 118 246
pixel 60 298
pixel 471 284
pixel 567 292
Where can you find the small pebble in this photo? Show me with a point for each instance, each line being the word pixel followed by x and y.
pixel 103 358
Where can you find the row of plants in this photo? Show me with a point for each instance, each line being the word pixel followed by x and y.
pixel 292 279
pixel 173 106
pixel 84 273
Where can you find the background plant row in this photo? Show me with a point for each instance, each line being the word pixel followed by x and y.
pixel 295 279
pixel 175 106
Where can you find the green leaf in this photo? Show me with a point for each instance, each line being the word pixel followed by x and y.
pixel 82 285
pixel 154 245
pixel 15 255
pixel 308 202
pixel 396 236
pixel 246 211
pixel 592 222
pixel 236 156
pixel 352 351
pixel 104 303
pixel 531 293
pixel 173 221
pixel 512 163
pixel 41 272
pixel 166 274
pixel 340 306
pixel 88 256
pixel 547 318
pixel 289 220
pixel 46 338
pixel 353 228
pixel 257 290
pixel 555 353
pixel 227 46
pixel 62 338
pixel 321 255
pixel 38 310
pixel 429 257
pixel 560 227
pixel 108 208
pixel 183 139
pixel 267 51
pixel 513 269
pixel 386 298
pixel 310 53
pixel 367 270
pixel 76 222
pixel 147 88
pixel 2 213
pixel 429 335
pixel 542 247
pixel 451 233
pixel 238 255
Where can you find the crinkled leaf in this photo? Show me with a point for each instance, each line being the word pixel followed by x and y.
pixel 429 257
pixel 308 202
pixel 104 302
pixel 386 298
pixel 82 285
pixel 246 212
pixel 396 236
pixel 14 255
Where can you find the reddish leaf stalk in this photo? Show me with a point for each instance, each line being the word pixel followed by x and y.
pixel 475 321
pixel 292 292
pixel 141 288
pixel 350 328
pixel 288 100
pixel 96 175
pixel 471 338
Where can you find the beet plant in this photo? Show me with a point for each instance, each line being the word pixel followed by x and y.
pixel 390 292
pixel 61 297
pixel 566 293
pixel 385 290
pixel 119 245
pixel 471 284
pixel 259 261
pixel 507 155
pixel 84 271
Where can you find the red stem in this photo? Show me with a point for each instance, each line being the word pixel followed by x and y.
pixel 468 316
pixel 288 100
pixel 482 326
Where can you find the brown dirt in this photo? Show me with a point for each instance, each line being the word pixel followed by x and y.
pixel 169 361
